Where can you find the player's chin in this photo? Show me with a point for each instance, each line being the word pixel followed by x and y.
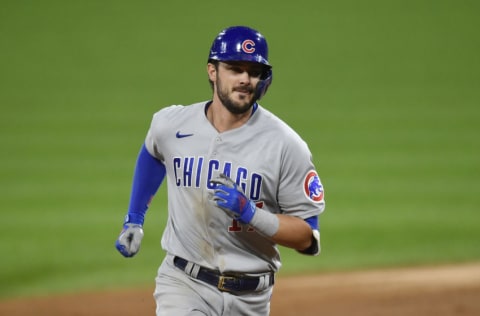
pixel 244 100
pixel 239 107
pixel 244 106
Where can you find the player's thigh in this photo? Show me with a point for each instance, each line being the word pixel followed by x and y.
pixel 177 294
pixel 254 303
pixel 175 298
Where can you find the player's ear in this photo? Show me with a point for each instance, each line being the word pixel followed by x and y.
pixel 212 72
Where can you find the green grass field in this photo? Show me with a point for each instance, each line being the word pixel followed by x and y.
pixel 386 93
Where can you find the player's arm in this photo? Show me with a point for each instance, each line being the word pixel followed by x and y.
pixel 293 232
pixel 148 176
pixel 285 230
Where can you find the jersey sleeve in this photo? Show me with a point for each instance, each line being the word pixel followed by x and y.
pixel 160 129
pixel 300 191
pixel 151 140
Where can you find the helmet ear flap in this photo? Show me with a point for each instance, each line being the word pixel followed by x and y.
pixel 262 85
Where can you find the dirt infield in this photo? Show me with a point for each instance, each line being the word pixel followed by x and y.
pixel 439 291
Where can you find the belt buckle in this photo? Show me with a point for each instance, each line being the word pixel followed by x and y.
pixel 221 283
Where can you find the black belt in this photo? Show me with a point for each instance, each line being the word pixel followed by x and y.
pixel 226 283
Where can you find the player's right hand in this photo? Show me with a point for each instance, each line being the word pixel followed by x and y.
pixel 128 243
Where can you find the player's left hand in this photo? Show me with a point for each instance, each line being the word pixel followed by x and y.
pixel 228 196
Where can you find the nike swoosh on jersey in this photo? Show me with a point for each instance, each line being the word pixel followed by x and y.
pixel 180 135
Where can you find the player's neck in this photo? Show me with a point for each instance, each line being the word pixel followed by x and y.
pixel 223 120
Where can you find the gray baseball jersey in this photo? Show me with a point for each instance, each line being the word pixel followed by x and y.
pixel 268 160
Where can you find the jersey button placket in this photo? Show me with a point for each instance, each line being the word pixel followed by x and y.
pixel 217 141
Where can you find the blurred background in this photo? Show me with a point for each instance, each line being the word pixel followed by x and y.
pixel 386 94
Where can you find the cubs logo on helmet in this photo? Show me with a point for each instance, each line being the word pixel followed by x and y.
pixel 313 187
pixel 248 46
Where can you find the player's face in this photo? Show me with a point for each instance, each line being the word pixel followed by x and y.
pixel 235 85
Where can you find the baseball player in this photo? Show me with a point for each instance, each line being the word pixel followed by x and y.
pixel 240 182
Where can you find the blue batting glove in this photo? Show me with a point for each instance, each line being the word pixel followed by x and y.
pixel 228 196
pixel 128 243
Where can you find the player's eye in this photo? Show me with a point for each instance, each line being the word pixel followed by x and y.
pixel 255 72
pixel 237 69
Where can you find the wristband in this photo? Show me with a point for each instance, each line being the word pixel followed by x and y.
pixel 265 222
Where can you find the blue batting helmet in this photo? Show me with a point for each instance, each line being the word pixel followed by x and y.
pixel 241 43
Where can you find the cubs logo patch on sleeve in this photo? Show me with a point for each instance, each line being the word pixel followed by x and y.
pixel 312 187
